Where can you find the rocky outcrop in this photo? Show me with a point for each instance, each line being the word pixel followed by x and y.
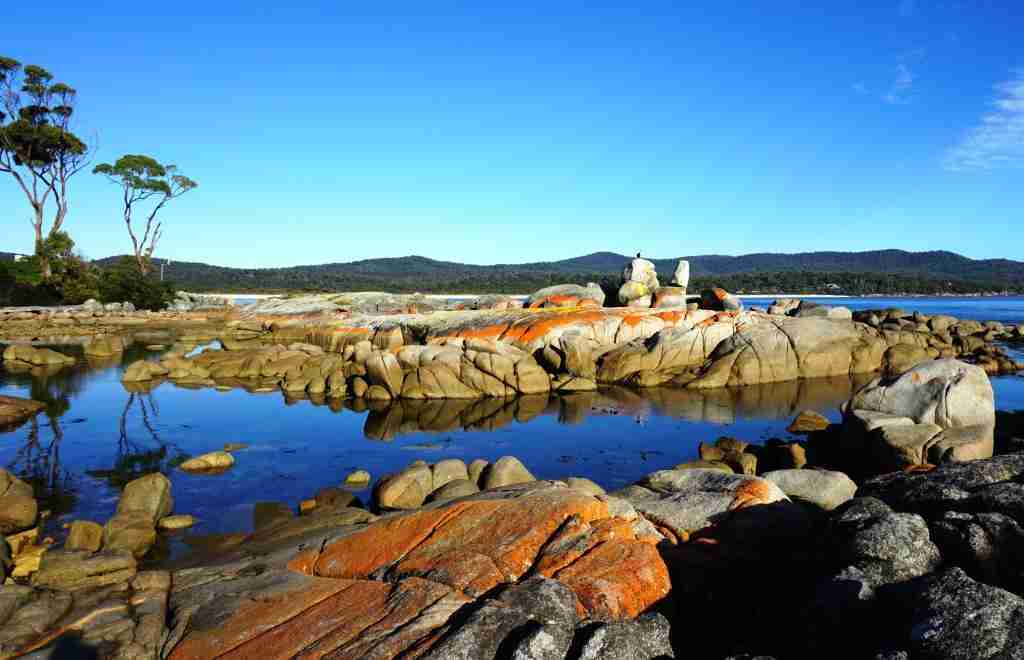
pixel 80 605
pixel 565 295
pixel 941 410
pixel 681 276
pixel 104 346
pixel 516 568
pixel 684 501
pixel 18 508
pixel 720 300
pixel 639 282
pixel 669 352
pixel 826 489
pixel 193 302
pixel 789 349
pixel 35 357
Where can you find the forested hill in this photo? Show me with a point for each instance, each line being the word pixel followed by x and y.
pixel 884 271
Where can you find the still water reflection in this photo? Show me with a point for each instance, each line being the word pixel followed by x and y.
pixel 95 435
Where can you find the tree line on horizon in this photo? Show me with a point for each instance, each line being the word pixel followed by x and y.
pixel 42 155
pixel 400 276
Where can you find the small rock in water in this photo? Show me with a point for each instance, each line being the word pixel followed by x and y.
pixel 215 460
pixel 358 479
pixel 177 522
pixel 808 421
pixel 234 446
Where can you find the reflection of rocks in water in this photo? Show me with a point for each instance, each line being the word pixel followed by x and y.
pixel 775 401
pixel 97 362
pixel 142 386
pixel 38 372
pixel 386 420
pixel 574 408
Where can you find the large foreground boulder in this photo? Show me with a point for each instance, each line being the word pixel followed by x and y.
pixel 940 410
pixel 506 573
pixel 684 501
pixel 952 617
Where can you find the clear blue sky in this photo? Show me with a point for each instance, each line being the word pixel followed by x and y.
pixel 337 131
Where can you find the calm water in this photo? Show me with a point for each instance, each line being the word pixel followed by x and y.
pixel 1006 309
pixel 95 435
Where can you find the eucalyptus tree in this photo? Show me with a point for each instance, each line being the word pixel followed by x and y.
pixel 143 178
pixel 37 147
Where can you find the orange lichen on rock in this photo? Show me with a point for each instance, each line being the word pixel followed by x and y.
pixel 528 330
pixel 494 331
pixel 255 616
pixel 472 546
pixel 671 317
pixel 389 589
pixel 617 580
pixel 751 493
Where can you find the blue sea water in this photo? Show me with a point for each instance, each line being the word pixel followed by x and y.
pixel 95 435
pixel 1005 309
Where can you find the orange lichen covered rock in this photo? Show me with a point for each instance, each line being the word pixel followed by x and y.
pixel 472 545
pixel 617 580
pixel 390 588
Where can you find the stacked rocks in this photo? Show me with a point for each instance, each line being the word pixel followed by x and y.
pixel 674 295
pixel 639 282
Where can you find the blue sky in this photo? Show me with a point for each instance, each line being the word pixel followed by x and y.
pixel 324 132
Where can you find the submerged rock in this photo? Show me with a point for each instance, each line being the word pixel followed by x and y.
pixel 212 461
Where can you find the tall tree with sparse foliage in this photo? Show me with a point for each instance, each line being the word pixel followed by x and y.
pixel 143 178
pixel 37 147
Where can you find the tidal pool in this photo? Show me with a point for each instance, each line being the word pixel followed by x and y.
pixel 96 435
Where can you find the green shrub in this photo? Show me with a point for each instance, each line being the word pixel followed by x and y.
pixel 124 283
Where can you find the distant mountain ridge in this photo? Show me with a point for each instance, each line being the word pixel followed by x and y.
pixel 417 273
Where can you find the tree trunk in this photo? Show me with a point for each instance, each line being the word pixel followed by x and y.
pixel 143 262
pixel 45 271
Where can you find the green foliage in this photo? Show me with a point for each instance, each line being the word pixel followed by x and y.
pixel 124 282
pixel 410 274
pixel 73 282
pixel 142 177
pixel 37 113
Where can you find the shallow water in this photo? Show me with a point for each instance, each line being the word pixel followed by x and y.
pixel 1005 309
pixel 96 435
